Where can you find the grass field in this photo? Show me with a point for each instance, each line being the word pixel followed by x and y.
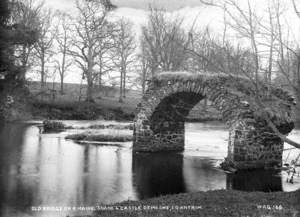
pixel 50 103
pixel 104 97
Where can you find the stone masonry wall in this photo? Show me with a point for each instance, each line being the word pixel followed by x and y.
pixel 251 147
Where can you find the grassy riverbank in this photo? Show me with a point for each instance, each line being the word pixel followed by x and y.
pixel 221 203
pixel 71 105
pixel 50 104
pixel 79 111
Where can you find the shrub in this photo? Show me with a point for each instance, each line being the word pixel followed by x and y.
pixel 112 126
pixel 50 126
pixel 100 137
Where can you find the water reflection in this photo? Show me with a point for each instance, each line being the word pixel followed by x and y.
pixel 48 170
pixel 158 174
pixel 13 190
pixel 201 174
pixel 45 169
pixel 255 180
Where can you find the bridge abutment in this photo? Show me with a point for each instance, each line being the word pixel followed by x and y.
pixel 170 139
pixel 252 147
pixel 159 142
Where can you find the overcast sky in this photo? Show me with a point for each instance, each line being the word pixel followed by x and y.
pixel 139 4
pixel 167 4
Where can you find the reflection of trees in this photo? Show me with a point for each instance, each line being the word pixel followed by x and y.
pixel 13 191
pixel 200 174
pixel 118 181
pixel 256 180
pixel 86 155
pixel 157 174
pixel 86 159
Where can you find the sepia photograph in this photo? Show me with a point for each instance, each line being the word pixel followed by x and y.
pixel 149 108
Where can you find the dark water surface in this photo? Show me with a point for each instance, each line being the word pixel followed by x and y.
pixel 47 170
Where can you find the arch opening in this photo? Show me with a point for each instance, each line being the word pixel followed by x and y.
pixel 173 110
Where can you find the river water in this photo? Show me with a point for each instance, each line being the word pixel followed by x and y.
pixel 47 170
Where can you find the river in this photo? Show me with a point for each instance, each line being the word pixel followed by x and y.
pixel 47 170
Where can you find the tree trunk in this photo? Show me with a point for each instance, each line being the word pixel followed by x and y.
pixel 53 90
pixel 100 80
pixel 62 85
pixel 100 72
pixel 89 92
pixel 124 84
pixel 205 104
pixel 144 81
pixel 42 75
pixel 121 86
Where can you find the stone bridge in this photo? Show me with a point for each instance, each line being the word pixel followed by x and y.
pixel 159 122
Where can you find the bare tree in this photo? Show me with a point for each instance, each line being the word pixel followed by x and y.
pixel 149 56
pixel 64 42
pixel 245 23
pixel 43 48
pixel 104 62
pixel 52 75
pixel 91 26
pixel 123 52
pixel 163 38
pixel 210 54
pixel 145 67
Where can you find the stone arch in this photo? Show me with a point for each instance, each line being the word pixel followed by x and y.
pixel 159 122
